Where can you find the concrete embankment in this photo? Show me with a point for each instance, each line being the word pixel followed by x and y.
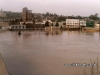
pixel 4 25
pixel 3 70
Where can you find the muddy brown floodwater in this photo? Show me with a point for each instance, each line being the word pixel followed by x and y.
pixel 45 53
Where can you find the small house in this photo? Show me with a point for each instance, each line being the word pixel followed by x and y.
pixel 89 23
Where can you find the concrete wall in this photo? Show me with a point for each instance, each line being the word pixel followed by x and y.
pixel 18 26
pixel 3 69
pixel 5 25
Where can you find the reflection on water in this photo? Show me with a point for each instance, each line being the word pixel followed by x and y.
pixel 46 52
pixel 53 32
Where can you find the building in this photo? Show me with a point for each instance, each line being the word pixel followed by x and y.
pixel 97 25
pixel 2 13
pixel 89 23
pixel 82 23
pixel 63 24
pixel 72 23
pixel 26 14
pixel 7 16
pixel 28 22
pixel 14 27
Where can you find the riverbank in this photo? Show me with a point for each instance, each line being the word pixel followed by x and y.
pixel 3 70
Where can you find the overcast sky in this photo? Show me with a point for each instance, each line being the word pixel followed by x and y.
pixel 64 7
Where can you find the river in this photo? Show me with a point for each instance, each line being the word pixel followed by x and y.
pixel 47 52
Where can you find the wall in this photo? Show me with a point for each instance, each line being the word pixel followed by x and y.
pixel 18 26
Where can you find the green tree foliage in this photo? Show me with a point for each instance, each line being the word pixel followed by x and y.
pixel 47 24
pixel 32 15
pixel 52 24
pixel 24 23
pixel 75 17
pixel 61 18
pixel 57 24
pixel 33 21
pixel 21 20
pixel 94 17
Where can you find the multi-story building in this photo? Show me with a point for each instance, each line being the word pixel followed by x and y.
pixel 26 14
pixel 82 23
pixel 72 23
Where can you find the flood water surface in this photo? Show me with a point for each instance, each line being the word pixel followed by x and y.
pixel 48 53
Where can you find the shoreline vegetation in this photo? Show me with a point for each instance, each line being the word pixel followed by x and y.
pixel 93 70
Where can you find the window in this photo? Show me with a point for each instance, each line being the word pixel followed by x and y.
pixel 19 27
pixel 16 27
pixel 12 27
pixel 23 27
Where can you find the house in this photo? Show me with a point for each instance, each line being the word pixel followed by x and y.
pixel 82 23
pixel 29 24
pixel 89 23
pixel 97 25
pixel 39 24
pixel 72 23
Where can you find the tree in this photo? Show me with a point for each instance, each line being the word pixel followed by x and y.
pixel 32 15
pixel 46 24
pixel 94 17
pixel 61 18
pixel 24 23
pixel 52 24
pixel 57 24
pixel 33 21
pixel 21 20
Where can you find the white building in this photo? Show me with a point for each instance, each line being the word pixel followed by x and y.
pixel 97 26
pixel 18 27
pixel 2 14
pixel 72 23
pixel 82 23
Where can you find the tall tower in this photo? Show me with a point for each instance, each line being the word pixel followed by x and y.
pixel 26 14
pixel 29 14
